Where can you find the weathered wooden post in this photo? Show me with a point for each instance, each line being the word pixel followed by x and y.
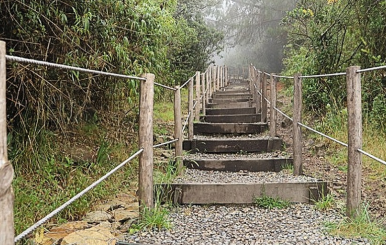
pixel 207 87
pixel 264 105
pixel 222 76
pixel 297 130
pixel 190 108
pixel 218 78
pixel 214 82
pixel 226 76
pixel 354 109
pixel 178 128
pixel 198 96
pixel 146 142
pixel 272 128
pixel 250 78
pixel 203 81
pixel 258 89
pixel 7 232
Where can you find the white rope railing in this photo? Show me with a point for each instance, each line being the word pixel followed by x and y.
pixel 166 143
pixel 186 121
pixel 186 83
pixel 287 77
pixel 372 157
pixel 67 67
pixel 76 197
pixel 74 68
pixel 311 129
pixel 164 86
pixel 324 75
pixel 371 69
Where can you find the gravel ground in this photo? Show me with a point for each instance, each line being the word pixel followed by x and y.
pixel 245 177
pixel 201 156
pixel 226 225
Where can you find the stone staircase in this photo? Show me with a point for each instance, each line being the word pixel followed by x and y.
pixel 231 142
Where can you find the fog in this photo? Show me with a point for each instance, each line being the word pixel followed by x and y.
pixel 253 33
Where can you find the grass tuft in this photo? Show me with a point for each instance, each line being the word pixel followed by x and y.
pixel 267 202
pixel 360 226
pixel 325 203
pixel 152 218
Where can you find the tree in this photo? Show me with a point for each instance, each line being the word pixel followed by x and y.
pixel 253 29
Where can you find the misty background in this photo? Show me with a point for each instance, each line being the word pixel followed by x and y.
pixel 253 31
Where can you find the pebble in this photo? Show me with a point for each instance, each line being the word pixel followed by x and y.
pixel 226 225
pixel 245 177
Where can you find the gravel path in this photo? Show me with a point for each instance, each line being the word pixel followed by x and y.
pixel 245 177
pixel 231 225
pixel 239 156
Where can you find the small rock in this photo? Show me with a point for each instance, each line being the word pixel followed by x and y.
pixel 98 235
pixel 97 217
pixel 58 233
pixel 122 215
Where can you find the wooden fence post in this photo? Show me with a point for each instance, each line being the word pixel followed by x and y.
pixel 221 77
pixel 146 142
pixel 250 78
pixel 207 87
pixel 354 173
pixel 218 79
pixel 264 105
pixel 190 108
pixel 214 82
pixel 254 92
pixel 203 82
pixel 258 88
pixel 273 112
pixel 226 75
pixel 178 128
pixel 198 96
pixel 297 130
pixel 7 232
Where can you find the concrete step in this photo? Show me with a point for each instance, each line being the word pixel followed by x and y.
pixel 236 165
pixel 233 145
pixel 240 193
pixel 228 111
pixel 228 100
pixel 229 128
pixel 241 118
pixel 230 105
pixel 229 94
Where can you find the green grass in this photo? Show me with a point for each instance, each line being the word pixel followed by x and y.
pixel 45 177
pixel 152 218
pixel 325 203
pixel 267 202
pixel 165 173
pixel 360 226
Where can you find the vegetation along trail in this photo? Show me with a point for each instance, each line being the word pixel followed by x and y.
pixel 241 182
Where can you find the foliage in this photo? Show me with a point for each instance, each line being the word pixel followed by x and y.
pixel 48 108
pixel 360 226
pixel 51 178
pixel 198 49
pixel 267 202
pixel 328 36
